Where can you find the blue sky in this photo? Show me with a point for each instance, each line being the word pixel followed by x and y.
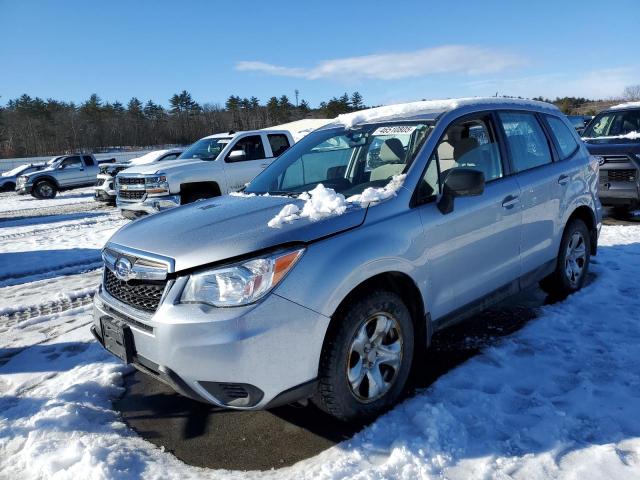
pixel 389 51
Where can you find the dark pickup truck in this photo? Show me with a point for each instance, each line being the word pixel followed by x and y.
pixel 614 136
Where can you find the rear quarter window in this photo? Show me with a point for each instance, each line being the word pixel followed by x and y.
pixel 88 161
pixel 563 136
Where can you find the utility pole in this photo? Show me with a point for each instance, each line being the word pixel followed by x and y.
pixel 297 93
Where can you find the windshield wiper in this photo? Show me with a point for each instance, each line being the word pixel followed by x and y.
pixel 284 193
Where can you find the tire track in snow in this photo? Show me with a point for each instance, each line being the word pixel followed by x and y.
pixel 68 268
pixel 61 229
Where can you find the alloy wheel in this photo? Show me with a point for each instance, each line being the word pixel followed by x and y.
pixel 575 258
pixel 375 357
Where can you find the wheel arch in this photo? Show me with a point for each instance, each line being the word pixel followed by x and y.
pixel 49 178
pixel 586 214
pixel 192 187
pixel 404 286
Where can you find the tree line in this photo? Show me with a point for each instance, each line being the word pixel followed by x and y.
pixel 32 126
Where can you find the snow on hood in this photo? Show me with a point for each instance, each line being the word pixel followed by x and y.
pixel 627 136
pixel 224 227
pixel 322 202
pixel 425 106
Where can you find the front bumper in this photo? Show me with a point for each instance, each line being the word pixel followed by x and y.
pixel 270 350
pixel 619 183
pixel 24 188
pixel 147 206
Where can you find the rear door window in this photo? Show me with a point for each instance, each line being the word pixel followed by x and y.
pixel 526 140
pixel 567 144
pixel 88 161
pixel 279 143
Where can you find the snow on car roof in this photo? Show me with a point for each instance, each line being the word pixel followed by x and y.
pixel 401 110
pixel 625 105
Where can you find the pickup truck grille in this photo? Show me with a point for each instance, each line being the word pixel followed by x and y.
pixel 141 294
pixel 626 175
pixel 131 194
pixel 131 180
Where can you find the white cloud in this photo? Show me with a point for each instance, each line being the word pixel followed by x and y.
pixel 603 83
pixel 465 59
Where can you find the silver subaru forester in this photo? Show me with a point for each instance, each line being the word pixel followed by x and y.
pixel 327 276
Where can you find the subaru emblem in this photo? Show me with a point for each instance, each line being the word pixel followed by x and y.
pixel 123 269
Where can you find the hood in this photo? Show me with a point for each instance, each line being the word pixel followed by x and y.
pixel 38 172
pixel 165 167
pixel 226 227
pixel 612 146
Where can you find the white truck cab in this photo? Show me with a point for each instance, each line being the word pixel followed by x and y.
pixel 212 166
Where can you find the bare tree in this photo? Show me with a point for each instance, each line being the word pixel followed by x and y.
pixel 631 93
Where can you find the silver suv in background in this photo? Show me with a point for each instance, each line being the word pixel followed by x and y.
pixel 327 276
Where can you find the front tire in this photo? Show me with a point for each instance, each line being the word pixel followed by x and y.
pixel 573 261
pixel 44 189
pixel 366 359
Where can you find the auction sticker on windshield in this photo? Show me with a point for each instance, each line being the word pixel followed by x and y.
pixel 395 130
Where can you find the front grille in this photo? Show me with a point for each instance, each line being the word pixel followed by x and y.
pixel 140 294
pixel 626 175
pixel 131 194
pixel 616 159
pixel 131 180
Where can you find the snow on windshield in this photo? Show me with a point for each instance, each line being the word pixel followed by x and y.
pixel 322 202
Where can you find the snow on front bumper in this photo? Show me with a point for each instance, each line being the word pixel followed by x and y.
pixel 273 345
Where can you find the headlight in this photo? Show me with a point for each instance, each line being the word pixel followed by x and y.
pixel 157 185
pixel 22 180
pixel 242 283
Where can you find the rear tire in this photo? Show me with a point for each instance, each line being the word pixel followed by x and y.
pixel 573 261
pixel 366 358
pixel 44 189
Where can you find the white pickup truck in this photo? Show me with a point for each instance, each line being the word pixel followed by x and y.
pixel 60 173
pixel 213 166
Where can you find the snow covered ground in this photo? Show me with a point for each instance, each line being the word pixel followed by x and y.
pixel 560 398
pixel 10 201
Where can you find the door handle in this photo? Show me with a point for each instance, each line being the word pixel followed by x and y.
pixel 563 179
pixel 510 201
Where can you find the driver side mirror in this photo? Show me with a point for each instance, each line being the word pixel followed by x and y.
pixel 460 182
pixel 236 156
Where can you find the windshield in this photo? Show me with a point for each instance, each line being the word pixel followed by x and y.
pixel 52 161
pixel 347 161
pixel 613 124
pixel 206 149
